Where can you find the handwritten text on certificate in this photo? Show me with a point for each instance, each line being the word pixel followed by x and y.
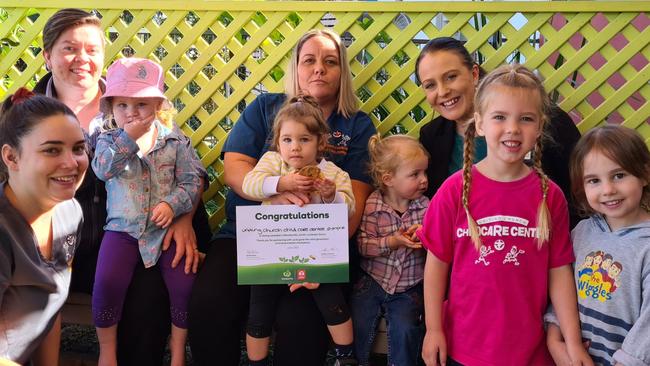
pixel 289 244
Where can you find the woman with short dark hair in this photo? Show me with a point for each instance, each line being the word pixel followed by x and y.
pixel 74 52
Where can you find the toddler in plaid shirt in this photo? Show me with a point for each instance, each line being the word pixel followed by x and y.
pixel 392 256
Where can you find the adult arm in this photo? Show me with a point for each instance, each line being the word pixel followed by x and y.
pixel 635 350
pixel 235 168
pixel 47 353
pixel 246 142
pixel 182 233
pixel 182 230
pixel 361 192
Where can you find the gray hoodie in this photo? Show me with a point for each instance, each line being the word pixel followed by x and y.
pixel 612 273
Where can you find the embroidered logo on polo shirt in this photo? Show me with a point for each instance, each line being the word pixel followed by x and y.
pixel 337 143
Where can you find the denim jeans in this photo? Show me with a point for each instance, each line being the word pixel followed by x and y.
pixel 404 321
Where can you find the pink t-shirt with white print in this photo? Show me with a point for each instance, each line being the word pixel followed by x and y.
pixel 498 294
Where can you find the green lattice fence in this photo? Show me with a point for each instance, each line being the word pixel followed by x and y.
pixel 220 55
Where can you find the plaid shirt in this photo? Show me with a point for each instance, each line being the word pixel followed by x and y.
pixel 395 270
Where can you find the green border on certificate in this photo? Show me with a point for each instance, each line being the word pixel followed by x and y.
pixel 291 244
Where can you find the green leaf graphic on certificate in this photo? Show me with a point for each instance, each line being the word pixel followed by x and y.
pixel 289 244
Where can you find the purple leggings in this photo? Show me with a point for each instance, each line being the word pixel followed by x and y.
pixel 118 258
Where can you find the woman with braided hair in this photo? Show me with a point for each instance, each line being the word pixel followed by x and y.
pixel 449 77
pixel 498 231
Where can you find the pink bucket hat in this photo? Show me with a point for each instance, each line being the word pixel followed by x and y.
pixel 136 78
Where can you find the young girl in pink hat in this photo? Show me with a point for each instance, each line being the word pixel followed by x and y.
pixel 149 181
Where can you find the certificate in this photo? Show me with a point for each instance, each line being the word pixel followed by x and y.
pixel 292 244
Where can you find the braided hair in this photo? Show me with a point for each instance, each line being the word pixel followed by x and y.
pixel 515 76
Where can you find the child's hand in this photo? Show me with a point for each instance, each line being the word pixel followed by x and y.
pixel 556 346
pixel 136 128
pixel 560 352
pixel 398 240
pixel 308 285
pixel 295 182
pixel 162 215
pixel 327 189
pixel 579 355
pixel 410 233
pixel 434 348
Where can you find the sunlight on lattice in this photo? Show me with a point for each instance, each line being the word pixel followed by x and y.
pixel 594 62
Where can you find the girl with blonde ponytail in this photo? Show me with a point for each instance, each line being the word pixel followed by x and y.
pixel 502 228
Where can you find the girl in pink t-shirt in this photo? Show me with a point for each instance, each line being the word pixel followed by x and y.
pixel 498 232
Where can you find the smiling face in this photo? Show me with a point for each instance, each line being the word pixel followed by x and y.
pixel 298 147
pixel 77 57
pixel 127 109
pixel 448 84
pixel 612 191
pixel 319 69
pixel 614 271
pixel 511 123
pixel 49 164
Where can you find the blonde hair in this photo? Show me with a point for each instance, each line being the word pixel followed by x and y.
pixel 512 76
pixel 388 153
pixel 347 101
pixel 305 110
pixel 165 114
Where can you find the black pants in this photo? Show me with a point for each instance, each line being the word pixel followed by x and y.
pixel 219 308
pixel 264 299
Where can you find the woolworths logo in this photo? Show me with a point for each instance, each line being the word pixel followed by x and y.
pixel 286 273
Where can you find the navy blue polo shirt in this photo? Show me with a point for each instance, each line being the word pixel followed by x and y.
pixel 347 145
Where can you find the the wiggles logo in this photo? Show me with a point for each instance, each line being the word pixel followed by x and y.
pixel 598 276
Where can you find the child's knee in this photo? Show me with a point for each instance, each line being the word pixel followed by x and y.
pixel 258 330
